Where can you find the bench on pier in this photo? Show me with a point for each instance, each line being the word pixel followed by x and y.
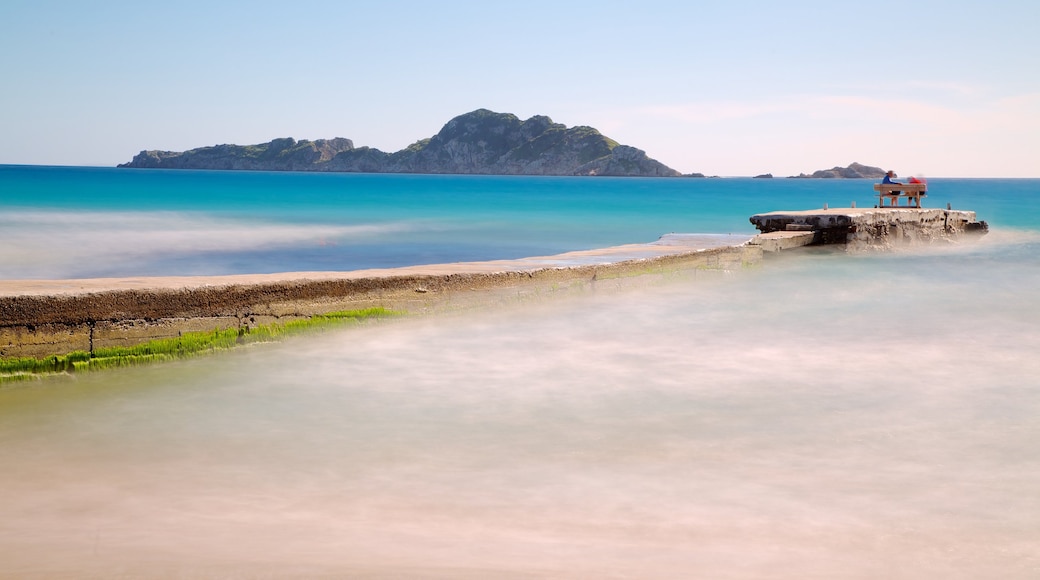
pixel 893 191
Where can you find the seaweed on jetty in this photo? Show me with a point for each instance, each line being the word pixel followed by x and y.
pixel 189 344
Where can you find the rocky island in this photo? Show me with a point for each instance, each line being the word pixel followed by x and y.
pixel 479 142
pixel 853 171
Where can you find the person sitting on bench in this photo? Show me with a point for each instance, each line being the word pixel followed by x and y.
pixel 888 180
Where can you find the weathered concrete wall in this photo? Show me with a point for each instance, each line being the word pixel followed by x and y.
pixel 874 229
pixel 44 325
pixel 779 241
pixel 910 227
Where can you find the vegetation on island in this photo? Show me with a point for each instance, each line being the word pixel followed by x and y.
pixel 853 171
pixel 187 345
pixel 479 142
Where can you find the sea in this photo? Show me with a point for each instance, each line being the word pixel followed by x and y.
pixel 817 415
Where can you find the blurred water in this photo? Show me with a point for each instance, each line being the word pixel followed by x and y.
pixel 819 416
pixel 74 222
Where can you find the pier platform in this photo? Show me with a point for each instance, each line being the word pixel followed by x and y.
pixel 40 318
pixel 865 229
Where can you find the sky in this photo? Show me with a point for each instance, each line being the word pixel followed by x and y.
pixel 946 88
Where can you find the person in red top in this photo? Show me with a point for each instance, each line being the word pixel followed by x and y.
pixel 920 180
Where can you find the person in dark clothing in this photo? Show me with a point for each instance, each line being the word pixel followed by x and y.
pixel 888 180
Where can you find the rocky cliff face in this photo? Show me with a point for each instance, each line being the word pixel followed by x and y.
pixel 279 155
pixel 480 142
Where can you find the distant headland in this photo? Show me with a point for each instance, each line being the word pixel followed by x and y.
pixel 480 142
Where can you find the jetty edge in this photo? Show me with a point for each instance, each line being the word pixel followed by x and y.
pixel 41 318
pixel 866 229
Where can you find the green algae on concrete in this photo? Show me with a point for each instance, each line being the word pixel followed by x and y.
pixel 187 345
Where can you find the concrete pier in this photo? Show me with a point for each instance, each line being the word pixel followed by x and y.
pixel 866 229
pixel 39 318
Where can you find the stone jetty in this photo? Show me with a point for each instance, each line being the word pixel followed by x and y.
pixel 867 229
pixel 40 318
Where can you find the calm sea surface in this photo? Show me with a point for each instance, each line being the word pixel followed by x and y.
pixel 818 416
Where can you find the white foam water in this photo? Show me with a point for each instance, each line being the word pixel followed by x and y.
pixel 819 416
pixel 60 244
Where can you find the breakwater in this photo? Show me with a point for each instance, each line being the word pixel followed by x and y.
pixel 55 317
pixel 43 318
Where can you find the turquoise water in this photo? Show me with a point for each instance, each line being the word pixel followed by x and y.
pixel 90 222
pixel 821 415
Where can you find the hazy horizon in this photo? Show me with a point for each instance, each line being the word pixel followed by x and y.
pixel 706 176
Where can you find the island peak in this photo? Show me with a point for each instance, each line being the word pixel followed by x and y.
pixel 478 142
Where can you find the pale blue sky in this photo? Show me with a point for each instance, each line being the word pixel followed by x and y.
pixel 741 87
